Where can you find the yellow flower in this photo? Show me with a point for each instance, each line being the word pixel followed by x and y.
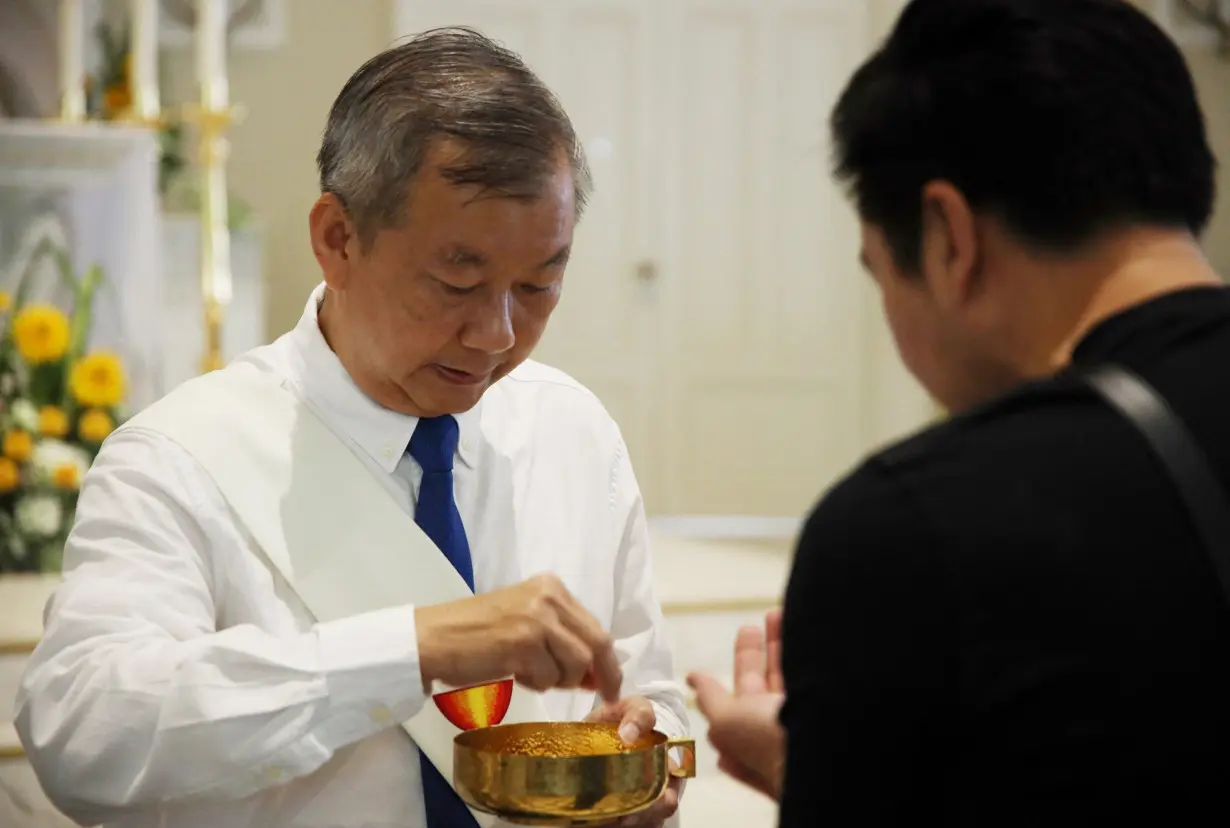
pixel 6 301
pixel 18 445
pixel 94 426
pixel 97 380
pixel 66 476
pixel 9 475
pixel 52 422
pixel 40 333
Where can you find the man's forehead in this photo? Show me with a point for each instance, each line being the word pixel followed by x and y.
pixel 441 183
pixel 465 255
pixel 459 254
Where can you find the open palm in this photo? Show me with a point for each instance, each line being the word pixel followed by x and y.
pixel 743 725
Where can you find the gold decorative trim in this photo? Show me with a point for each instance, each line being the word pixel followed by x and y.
pixel 12 752
pixel 720 605
pixel 17 646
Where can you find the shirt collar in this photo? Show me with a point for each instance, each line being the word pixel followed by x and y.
pixel 1146 327
pixel 325 383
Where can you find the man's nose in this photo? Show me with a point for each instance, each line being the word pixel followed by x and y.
pixel 490 328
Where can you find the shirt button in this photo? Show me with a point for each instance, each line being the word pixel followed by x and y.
pixel 388 452
pixel 382 715
pixel 273 773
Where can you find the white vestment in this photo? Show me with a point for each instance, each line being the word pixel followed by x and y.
pixel 231 651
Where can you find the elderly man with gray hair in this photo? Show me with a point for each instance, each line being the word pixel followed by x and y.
pixel 292 582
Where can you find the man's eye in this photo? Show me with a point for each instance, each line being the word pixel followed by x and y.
pixel 455 290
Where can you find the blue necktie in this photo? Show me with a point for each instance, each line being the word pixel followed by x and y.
pixel 433 445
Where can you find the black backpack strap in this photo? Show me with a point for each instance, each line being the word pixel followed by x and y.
pixel 1184 460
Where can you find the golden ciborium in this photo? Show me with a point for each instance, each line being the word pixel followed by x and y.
pixel 564 773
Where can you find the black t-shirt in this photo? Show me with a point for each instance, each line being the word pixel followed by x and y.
pixel 1009 620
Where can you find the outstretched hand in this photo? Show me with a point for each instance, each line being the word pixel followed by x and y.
pixel 743 725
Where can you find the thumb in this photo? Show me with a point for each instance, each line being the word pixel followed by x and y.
pixel 635 717
pixel 639 718
pixel 607 712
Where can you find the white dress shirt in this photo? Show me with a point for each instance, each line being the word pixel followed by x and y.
pixel 178 685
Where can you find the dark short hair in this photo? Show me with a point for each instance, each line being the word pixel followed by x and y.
pixel 449 83
pixel 1064 119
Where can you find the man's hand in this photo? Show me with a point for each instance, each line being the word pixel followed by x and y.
pixel 636 718
pixel 535 631
pixel 743 726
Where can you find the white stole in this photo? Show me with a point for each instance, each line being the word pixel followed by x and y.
pixel 322 521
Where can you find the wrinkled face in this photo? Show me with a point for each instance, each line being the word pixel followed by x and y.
pixel 439 308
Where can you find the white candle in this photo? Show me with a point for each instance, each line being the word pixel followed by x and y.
pixel 216 260
pixel 72 61
pixel 211 18
pixel 144 80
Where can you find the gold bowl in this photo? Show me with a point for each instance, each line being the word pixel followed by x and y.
pixel 564 773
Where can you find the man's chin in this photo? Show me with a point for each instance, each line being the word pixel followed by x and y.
pixel 444 398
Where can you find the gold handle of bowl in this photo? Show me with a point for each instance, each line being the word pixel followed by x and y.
pixel 688 769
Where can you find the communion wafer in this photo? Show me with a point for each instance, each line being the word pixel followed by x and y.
pixel 573 743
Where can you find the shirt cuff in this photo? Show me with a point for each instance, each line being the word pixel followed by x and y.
pixel 667 721
pixel 370 663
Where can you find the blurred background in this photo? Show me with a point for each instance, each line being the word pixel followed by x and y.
pixel 714 301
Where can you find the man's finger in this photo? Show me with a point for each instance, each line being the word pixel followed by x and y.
pixel 635 715
pixel 607 712
pixel 608 676
pixel 773 652
pixel 538 670
pixel 571 654
pixel 604 676
pixel 750 661
pixel 638 718
pixel 710 694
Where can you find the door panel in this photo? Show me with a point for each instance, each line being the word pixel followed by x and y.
pixel 768 306
pixel 714 302
pixel 595 56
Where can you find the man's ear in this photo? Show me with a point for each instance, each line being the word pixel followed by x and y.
pixel 334 239
pixel 949 244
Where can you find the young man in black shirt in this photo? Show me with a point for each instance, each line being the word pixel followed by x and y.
pixel 1010 619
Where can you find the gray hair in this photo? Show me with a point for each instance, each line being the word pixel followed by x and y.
pixel 450 83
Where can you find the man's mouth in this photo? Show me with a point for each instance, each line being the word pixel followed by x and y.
pixel 459 377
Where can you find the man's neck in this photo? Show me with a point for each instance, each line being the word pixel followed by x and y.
pixel 1122 274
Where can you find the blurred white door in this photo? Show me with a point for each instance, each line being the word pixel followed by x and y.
pixel 713 302
pixel 766 336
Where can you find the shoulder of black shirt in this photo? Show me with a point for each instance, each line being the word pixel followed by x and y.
pixel 949 435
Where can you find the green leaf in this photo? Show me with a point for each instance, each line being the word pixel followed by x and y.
pixel 51 556
pixel 65 267
pixel 83 312
pixel 46 248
